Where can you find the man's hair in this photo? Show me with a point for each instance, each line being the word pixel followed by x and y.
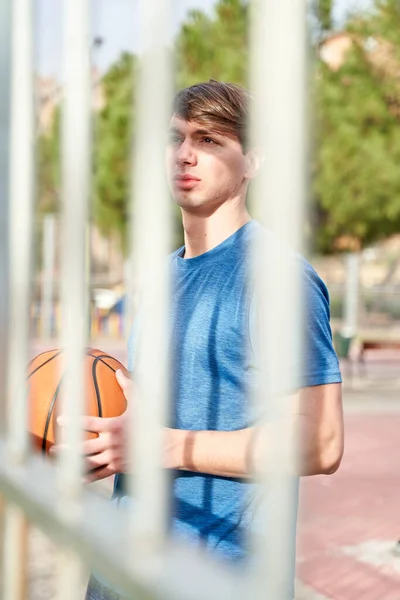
pixel 221 107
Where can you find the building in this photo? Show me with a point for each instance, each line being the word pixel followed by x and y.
pixel 49 96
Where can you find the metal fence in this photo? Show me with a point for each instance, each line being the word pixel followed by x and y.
pixel 133 551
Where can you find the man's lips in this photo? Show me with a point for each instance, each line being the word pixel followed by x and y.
pixel 186 178
pixel 186 182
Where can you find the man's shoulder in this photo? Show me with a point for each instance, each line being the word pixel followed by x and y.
pixel 175 253
pixel 312 280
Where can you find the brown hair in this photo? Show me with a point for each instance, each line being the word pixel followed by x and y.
pixel 222 107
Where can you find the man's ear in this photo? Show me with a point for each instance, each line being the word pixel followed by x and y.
pixel 255 158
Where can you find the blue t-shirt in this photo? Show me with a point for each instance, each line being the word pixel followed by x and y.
pixel 214 366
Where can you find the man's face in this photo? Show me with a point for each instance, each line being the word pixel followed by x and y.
pixel 204 168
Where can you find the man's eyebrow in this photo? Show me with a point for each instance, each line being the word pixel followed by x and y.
pixel 205 132
pixel 197 132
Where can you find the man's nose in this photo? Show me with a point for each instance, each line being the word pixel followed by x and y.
pixel 185 154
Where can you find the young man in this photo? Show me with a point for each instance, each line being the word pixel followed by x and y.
pixel 214 329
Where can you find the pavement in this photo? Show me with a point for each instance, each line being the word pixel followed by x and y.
pixel 349 522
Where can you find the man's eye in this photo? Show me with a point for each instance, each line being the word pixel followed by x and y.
pixel 174 139
pixel 209 140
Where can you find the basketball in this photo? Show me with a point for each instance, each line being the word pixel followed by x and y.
pixel 103 398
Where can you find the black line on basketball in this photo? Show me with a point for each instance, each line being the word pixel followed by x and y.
pixel 100 357
pixel 49 414
pixel 94 374
pixel 45 363
pixel 39 355
pixel 96 388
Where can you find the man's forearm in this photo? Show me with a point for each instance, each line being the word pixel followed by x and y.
pixel 221 453
pixel 245 453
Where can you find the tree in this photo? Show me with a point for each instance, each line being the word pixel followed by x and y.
pixel 323 13
pixel 214 46
pixel 48 168
pixel 356 174
pixel 112 152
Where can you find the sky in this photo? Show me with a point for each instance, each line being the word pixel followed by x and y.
pixel 115 21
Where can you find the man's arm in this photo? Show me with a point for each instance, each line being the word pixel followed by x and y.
pixel 315 419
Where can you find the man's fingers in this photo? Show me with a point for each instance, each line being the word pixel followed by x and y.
pixel 87 423
pixel 95 424
pixel 96 461
pixel 98 474
pixel 94 446
pixel 89 447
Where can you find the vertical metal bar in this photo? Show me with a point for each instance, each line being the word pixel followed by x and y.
pixel 278 83
pixel 20 221
pixel 5 120
pixel 70 574
pixel 75 191
pixel 151 229
pixel 49 232
pixel 15 554
pixel 20 237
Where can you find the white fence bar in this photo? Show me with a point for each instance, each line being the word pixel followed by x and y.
pixel 75 191
pixel 15 553
pixel 151 227
pixel 5 121
pixel 20 222
pixel 20 237
pixel 278 82
pixel 102 539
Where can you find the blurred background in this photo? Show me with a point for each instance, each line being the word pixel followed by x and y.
pixel 349 522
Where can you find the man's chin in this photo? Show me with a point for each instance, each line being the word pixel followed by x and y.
pixel 188 200
pixel 196 206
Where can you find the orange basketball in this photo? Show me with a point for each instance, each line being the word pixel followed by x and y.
pixel 104 396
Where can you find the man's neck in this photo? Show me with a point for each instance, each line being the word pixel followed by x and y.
pixel 203 233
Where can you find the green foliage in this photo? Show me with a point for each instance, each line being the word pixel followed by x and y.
pixel 48 167
pixel 112 152
pixel 356 174
pixel 214 46
pixel 323 12
pixel 383 22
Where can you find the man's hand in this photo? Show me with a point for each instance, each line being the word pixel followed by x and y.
pixel 105 455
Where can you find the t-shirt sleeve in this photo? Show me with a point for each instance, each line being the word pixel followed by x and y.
pixel 319 364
